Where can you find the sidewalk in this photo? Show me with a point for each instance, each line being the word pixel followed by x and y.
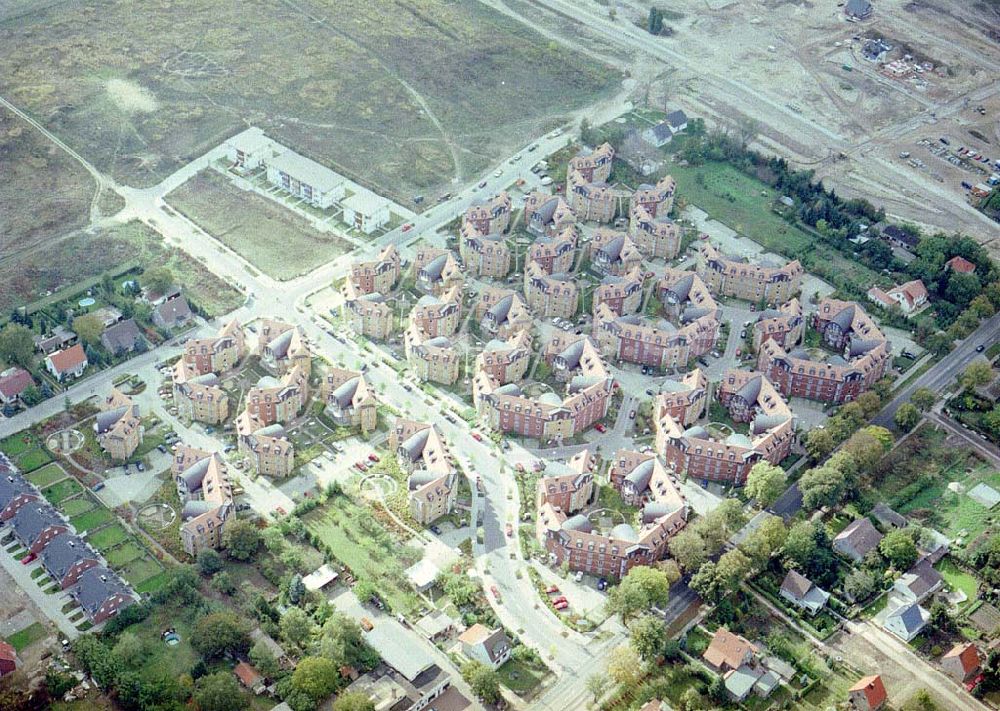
pixel 51 605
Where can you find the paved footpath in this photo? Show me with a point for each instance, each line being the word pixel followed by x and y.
pixel 51 605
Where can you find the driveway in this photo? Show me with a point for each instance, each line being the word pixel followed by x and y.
pixel 50 605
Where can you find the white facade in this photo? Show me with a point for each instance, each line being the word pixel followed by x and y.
pixel 249 150
pixel 366 211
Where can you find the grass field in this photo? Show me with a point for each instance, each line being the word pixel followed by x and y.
pixel 271 237
pixel 77 506
pixel 957 578
pixel 32 633
pixel 385 92
pixel 18 443
pixel 33 459
pixel 80 258
pixel 48 474
pixel 359 542
pixel 521 678
pixel 63 490
pixel 141 570
pixel 91 519
pixel 152 584
pixel 107 537
pixel 123 554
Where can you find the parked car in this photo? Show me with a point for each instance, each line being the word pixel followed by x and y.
pixel 519 467
pixel 360 466
pixel 482 184
pixel 602 584
pixel 509 530
pixel 436 530
pixel 560 605
pixel 139 466
pixel 552 589
pixel 739 352
pixel 579 576
pixel 98 486
pixel 600 428
pixel 374 457
pixel 28 558
pixel 650 392
pixel 631 415
pixel 407 227
pixel 980 348
pixel 476 436
pixel 162 448
pixel 366 624
pixel 561 598
pixel 495 591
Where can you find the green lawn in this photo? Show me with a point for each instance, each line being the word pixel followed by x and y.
pixel 33 459
pixel 153 583
pixel 141 570
pixel 361 543
pixel 49 474
pixel 17 443
pixel 76 506
pixel 62 490
pixel 107 537
pixel 123 554
pixel 32 633
pixel 91 519
pixel 158 657
pixel 957 578
pixel 521 678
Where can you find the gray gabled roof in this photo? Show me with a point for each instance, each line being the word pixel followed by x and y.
pixel 750 390
pixel 195 474
pixel 420 478
pixel 123 336
pixel 624 532
pixel 107 419
pixel 12 484
pixel 910 617
pixel 796 584
pixel 194 508
pixel 501 308
pixel 676 118
pixel 32 519
pixel 413 446
pixel 433 268
pixel 640 476
pixel 344 393
pixel 279 345
pixel 96 586
pixel 570 355
pixel 62 552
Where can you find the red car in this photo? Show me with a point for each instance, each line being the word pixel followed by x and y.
pixel 407 227
pixel 600 428
pixel 560 605
pixel 552 589
pixel 361 466
pixel 28 558
pixel 373 457
pixel 495 591
pixel 476 436
pixel 561 598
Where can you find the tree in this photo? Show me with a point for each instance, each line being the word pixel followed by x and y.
pixel 991 422
pixel 129 649
pixel 941 617
pixel 906 417
pixel 688 549
pixel 691 700
pixel 263 659
pixel 624 666
pixel 767 540
pixel 899 549
pixel 241 539
pixel 219 692
pixel 341 641
pixel 920 701
pixel 859 585
pixel 641 589
pixel 708 583
pixel 977 374
pixel 17 345
pixel 765 483
pixel 962 288
pixel 865 451
pixel 89 328
pixel 296 589
pixel 296 626
pixel 209 562
pixel 800 544
pixel 485 682
pixel 597 684
pixel 647 636
pixel 353 701
pixel 923 399
pixel 732 567
pixel 220 633
pixel 822 486
pixel 158 279
pixel 819 443
pixel 315 677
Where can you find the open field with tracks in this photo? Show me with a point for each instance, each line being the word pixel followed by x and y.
pixel 378 90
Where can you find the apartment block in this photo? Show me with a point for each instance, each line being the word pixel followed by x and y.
pixel 587 190
pixel 621 294
pixel 272 400
pixel 368 314
pixel 218 354
pixel 485 255
pixel 282 347
pixel 555 254
pixel 437 270
pixel 118 426
pixel 422 453
pixel 684 400
pixel 350 400
pixel 438 316
pixel 267 447
pixel 378 276
pixel 201 399
pixel 653 201
pixel 203 486
pixel 729 276
pixel 506 361
pixel 613 252
pixel 784 325
pixel 550 295
pixel 502 313
pixel 547 215
pixel 489 216
pixel 434 359
pixel 655 235
pixel 365 211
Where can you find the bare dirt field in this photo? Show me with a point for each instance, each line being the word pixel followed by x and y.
pixel 77 256
pixel 402 95
pixel 18 611
pixel 271 237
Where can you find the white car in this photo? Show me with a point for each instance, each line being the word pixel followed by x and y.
pixel 579 576
pixel 498 173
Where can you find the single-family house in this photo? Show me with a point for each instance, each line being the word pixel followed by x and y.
pixel 36 524
pixel 907 621
pixel 908 297
pixel 868 694
pixel 249 677
pixel 66 558
pixel 659 135
pixel 60 338
pixel 857 540
pixel 962 662
pixel 891 233
pixel 13 382
pixel 803 593
pixel 172 314
pixel 677 120
pixel 491 647
pixel 728 651
pixel 67 364
pixel 960 265
pixel 15 490
pixel 887 517
pixel 101 594
pixel 122 337
pixel 918 583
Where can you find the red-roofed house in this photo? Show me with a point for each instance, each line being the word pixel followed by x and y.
pixel 249 677
pixel 962 662
pixel 13 382
pixel 908 297
pixel 68 363
pixel 8 659
pixel 868 694
pixel 960 265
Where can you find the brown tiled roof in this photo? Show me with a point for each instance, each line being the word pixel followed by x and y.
pixel 873 690
pixel 727 649
pixel 68 359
